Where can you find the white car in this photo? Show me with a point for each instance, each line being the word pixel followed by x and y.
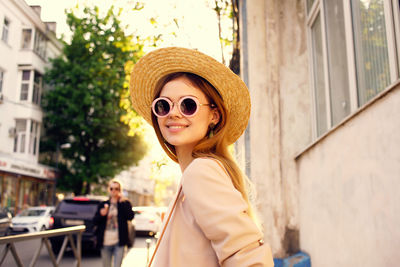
pixel 32 219
pixel 147 220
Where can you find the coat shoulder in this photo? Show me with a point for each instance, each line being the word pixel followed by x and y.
pixel 205 164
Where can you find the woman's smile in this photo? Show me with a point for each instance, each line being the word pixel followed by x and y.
pixel 176 127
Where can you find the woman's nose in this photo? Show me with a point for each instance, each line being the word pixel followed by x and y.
pixel 175 111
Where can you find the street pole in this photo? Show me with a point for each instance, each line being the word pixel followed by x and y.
pixel 55 178
pixel 148 241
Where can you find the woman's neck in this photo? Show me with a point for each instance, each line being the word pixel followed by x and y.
pixel 184 157
pixel 114 199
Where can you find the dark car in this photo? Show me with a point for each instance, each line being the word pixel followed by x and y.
pixel 5 222
pixel 77 211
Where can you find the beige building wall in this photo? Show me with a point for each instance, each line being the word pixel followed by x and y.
pixel 349 184
pixel 281 113
pixel 335 198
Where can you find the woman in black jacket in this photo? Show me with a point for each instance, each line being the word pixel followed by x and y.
pixel 112 219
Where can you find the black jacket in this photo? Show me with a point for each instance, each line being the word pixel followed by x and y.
pixel 125 215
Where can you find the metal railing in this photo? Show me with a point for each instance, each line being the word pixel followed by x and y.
pixel 68 232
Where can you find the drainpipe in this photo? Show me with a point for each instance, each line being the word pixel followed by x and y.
pixel 245 76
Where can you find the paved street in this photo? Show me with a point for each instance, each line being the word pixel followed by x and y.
pixel 136 256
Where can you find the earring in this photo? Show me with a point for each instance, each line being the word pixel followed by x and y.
pixel 211 132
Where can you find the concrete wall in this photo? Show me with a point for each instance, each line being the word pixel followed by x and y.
pixel 349 184
pixel 335 198
pixel 280 120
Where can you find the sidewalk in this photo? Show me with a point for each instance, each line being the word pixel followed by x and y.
pixel 138 256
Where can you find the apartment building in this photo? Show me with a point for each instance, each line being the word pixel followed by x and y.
pixel 26 44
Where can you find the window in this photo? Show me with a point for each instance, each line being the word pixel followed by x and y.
pixel 371 48
pixel 23 136
pixel 37 88
pixel 1 80
pixel 26 38
pixel 20 137
pixel 353 58
pixel 319 75
pixel 40 44
pixel 337 61
pixel 26 78
pixel 31 92
pixel 33 137
pixel 6 29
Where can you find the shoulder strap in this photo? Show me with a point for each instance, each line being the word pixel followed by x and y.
pixel 165 227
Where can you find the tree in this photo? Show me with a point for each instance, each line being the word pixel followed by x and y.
pixel 83 106
pixel 229 9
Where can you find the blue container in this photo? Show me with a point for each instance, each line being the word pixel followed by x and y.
pixel 299 259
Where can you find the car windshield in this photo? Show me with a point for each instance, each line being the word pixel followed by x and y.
pixel 78 207
pixel 32 213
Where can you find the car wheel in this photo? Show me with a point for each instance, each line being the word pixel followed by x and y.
pixel 43 228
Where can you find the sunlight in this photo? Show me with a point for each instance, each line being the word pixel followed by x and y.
pixel 186 23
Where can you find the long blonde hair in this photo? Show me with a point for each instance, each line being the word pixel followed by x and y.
pixel 213 147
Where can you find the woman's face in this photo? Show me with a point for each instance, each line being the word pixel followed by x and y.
pixel 114 189
pixel 181 131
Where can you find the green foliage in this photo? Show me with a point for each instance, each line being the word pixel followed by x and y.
pixel 228 10
pixel 84 105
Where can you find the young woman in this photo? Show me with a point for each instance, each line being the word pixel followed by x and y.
pixel 198 107
pixel 112 219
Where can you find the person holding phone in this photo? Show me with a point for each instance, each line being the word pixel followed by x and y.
pixel 112 219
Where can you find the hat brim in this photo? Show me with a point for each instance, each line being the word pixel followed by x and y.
pixel 154 66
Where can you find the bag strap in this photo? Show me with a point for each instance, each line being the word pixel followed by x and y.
pixel 165 227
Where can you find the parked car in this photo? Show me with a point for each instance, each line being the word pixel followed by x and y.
pixel 78 211
pixel 147 219
pixel 5 222
pixel 33 219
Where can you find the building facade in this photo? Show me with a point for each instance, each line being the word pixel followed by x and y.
pixel 323 139
pixel 26 45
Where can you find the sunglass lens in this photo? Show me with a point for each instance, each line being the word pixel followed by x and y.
pixel 188 106
pixel 161 107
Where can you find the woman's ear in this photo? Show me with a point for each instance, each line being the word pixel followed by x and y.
pixel 215 116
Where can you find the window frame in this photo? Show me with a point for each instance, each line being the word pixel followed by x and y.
pixel 2 74
pixel 23 82
pixel 40 43
pixel 392 24
pixel 20 139
pixel 37 88
pixel 31 96
pixel 5 32
pixel 34 129
pixel 29 46
pixel 26 142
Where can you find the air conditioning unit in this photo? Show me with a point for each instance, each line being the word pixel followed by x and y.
pixel 12 132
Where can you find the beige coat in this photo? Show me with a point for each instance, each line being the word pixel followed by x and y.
pixel 210 225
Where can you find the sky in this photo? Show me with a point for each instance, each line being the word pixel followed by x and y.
pixel 197 23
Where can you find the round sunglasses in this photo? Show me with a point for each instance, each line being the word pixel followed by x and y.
pixel 187 106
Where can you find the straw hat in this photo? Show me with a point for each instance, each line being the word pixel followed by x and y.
pixel 154 66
